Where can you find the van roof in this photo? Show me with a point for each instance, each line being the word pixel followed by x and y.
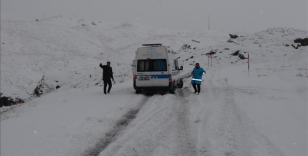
pixel 152 45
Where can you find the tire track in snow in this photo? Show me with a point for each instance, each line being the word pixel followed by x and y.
pixel 243 138
pixel 185 142
pixel 220 128
pixel 161 128
pixel 201 108
pixel 223 128
pixel 112 135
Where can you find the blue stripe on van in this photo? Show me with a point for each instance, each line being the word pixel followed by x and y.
pixel 158 76
pixel 161 76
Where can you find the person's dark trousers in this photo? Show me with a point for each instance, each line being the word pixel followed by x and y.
pixel 109 85
pixel 198 85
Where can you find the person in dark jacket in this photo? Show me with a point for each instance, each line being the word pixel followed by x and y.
pixel 197 77
pixel 107 74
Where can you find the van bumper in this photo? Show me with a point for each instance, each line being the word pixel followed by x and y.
pixel 153 88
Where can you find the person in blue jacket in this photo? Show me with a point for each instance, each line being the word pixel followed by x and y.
pixel 197 77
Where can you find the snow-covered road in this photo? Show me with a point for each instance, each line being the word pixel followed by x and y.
pixel 216 122
pixel 187 124
pixel 221 128
pixel 161 128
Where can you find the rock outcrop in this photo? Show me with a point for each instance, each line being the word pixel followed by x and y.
pixel 303 42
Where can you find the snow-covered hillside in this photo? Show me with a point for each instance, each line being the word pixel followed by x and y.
pixel 67 52
pixel 239 112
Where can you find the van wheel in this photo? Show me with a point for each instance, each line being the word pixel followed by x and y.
pixel 172 90
pixel 181 84
pixel 138 91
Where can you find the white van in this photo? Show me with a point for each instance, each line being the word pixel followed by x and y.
pixel 155 69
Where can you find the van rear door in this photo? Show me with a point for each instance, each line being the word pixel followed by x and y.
pixel 143 74
pixel 160 74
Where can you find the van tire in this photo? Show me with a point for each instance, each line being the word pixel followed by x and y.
pixel 138 91
pixel 172 89
pixel 181 83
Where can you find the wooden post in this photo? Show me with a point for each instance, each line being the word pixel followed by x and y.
pixel 248 61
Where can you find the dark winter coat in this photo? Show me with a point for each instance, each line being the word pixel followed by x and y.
pixel 197 75
pixel 107 72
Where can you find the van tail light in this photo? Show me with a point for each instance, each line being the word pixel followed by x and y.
pixel 134 78
pixel 170 78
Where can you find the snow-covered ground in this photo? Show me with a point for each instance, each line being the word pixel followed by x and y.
pixel 239 112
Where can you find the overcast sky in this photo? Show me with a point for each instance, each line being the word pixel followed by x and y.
pixel 226 15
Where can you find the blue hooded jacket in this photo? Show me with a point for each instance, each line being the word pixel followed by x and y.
pixel 197 75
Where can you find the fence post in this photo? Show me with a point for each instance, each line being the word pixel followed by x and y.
pixel 248 61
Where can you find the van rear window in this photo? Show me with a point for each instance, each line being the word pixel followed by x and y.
pixel 151 65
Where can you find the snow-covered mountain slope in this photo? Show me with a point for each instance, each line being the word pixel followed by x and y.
pixel 67 52
pixel 271 45
pixel 261 111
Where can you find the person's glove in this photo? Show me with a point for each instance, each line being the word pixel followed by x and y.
pixel 113 81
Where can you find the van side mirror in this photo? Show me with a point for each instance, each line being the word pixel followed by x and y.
pixel 181 68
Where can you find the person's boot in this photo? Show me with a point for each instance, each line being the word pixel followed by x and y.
pixel 109 88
